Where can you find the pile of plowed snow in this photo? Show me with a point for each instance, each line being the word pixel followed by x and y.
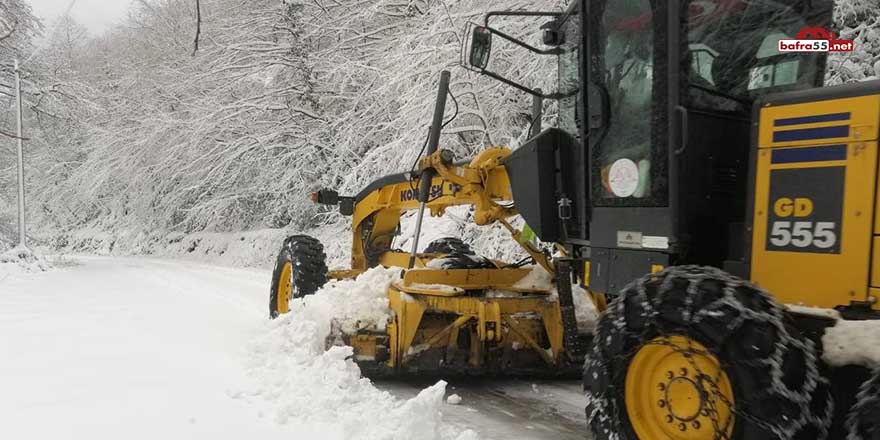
pixel 22 259
pixel 310 386
pixel 853 342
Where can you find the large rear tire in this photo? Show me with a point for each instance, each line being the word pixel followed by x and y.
pixel 864 417
pixel 300 270
pixel 695 353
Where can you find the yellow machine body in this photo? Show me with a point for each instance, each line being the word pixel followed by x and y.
pixel 441 327
pixel 468 321
pixel 815 230
pixel 480 183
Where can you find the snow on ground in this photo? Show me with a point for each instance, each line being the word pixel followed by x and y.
pixel 145 349
pixel 847 342
pixel 508 409
pixel 853 342
pixel 22 259
pixel 255 248
pixel 129 348
pixel 324 388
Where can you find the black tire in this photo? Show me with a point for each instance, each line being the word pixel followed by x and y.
pixel 459 254
pixel 778 389
pixel 308 269
pixel 864 417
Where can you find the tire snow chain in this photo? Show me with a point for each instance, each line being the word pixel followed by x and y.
pixel 864 416
pixel 603 414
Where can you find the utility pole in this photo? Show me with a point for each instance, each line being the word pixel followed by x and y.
pixel 22 240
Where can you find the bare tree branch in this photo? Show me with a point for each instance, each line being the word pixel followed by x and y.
pixel 198 27
pixel 11 31
pixel 12 135
pixel 322 7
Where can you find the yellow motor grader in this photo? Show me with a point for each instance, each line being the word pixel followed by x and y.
pixel 718 206
pixel 454 312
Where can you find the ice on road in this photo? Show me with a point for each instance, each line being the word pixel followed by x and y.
pixel 141 348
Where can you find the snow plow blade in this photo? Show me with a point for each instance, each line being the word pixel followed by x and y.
pixel 478 322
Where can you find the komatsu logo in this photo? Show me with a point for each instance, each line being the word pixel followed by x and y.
pixel 413 193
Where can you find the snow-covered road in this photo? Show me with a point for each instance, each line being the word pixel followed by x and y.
pixel 512 409
pixel 145 348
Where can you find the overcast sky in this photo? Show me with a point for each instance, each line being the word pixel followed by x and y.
pixel 97 15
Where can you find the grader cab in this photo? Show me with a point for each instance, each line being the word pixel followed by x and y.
pixel 701 189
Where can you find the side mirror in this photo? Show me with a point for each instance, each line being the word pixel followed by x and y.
pixel 325 197
pixel 481 47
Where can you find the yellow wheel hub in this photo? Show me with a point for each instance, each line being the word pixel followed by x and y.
pixel 676 390
pixel 285 288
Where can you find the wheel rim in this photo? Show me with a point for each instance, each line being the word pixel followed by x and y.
pixel 285 288
pixel 676 389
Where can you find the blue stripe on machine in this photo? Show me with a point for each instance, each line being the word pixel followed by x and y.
pixel 809 154
pixel 837 131
pixel 811 119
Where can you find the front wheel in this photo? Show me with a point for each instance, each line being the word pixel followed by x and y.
pixel 693 353
pixel 864 417
pixel 300 270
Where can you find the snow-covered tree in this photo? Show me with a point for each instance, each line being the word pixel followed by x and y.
pixel 278 101
pixel 136 132
pixel 857 20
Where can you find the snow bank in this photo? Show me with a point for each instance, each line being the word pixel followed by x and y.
pixel 310 386
pixel 853 342
pixel 23 259
pixel 254 248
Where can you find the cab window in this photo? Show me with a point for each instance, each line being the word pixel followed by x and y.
pixel 624 172
pixel 732 51
pixel 569 69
